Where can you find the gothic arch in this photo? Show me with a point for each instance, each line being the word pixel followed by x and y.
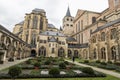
pixel 95 53
pixel 103 53
pixel 42 51
pixel 76 53
pixel 69 53
pixel 113 53
pixel 61 52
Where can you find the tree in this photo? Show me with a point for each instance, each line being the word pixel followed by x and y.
pixel 14 71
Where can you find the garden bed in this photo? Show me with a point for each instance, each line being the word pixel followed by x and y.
pixel 51 68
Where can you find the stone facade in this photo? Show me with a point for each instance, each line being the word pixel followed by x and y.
pixel 100 31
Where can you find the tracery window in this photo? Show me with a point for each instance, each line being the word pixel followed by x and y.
pixel 103 36
pixel 35 22
pixel 113 33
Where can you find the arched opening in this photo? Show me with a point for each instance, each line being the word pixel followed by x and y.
pixel 69 54
pixel 75 53
pixel 33 53
pixel 61 52
pixel 103 53
pixel 95 54
pixel 113 53
pixel 42 51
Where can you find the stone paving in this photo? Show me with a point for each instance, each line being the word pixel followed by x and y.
pixel 8 64
pixel 115 74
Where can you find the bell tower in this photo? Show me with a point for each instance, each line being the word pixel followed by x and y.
pixel 68 23
pixel 114 4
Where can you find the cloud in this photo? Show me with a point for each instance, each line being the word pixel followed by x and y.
pixel 13 11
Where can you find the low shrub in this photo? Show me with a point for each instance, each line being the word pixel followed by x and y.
pixel 86 61
pixel 88 70
pixel 66 62
pixel 62 65
pixel 54 71
pixel 103 63
pixel 14 71
pixel 47 62
pixel 111 67
pixel 117 63
pixel 110 62
pixel 37 64
pixel 98 61
pixel 118 69
pixel 28 62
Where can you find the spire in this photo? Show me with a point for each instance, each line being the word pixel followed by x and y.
pixel 68 12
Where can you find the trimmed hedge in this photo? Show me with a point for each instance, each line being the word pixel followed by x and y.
pixel 62 65
pixel 54 71
pixel 88 70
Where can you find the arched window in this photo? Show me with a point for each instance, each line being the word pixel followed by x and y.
pixel 95 54
pixel 76 53
pixel 113 33
pixel 41 23
pixel 69 53
pixel 35 22
pixel 113 53
pixel 93 20
pixel 61 52
pixel 94 39
pixel 42 51
pixel 33 40
pixel 103 36
pixel 103 53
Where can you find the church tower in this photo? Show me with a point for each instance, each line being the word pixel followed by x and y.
pixel 114 4
pixel 68 23
pixel 34 23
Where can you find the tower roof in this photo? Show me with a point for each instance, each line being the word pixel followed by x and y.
pixel 68 12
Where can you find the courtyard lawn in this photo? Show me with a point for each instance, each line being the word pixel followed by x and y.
pixel 104 78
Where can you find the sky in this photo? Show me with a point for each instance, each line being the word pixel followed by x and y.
pixel 13 11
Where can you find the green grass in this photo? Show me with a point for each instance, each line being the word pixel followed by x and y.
pixel 104 78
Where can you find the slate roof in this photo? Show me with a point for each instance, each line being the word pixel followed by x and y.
pixel 71 39
pixel 106 25
pixel 52 39
pixel 51 26
pixel 85 45
pixel 68 13
pixel 36 10
pixel 52 33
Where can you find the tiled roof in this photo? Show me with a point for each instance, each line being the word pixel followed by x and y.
pixel 36 10
pixel 52 33
pixel 106 25
pixel 85 45
pixel 51 26
pixel 71 39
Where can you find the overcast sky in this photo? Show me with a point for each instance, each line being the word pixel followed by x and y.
pixel 13 11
